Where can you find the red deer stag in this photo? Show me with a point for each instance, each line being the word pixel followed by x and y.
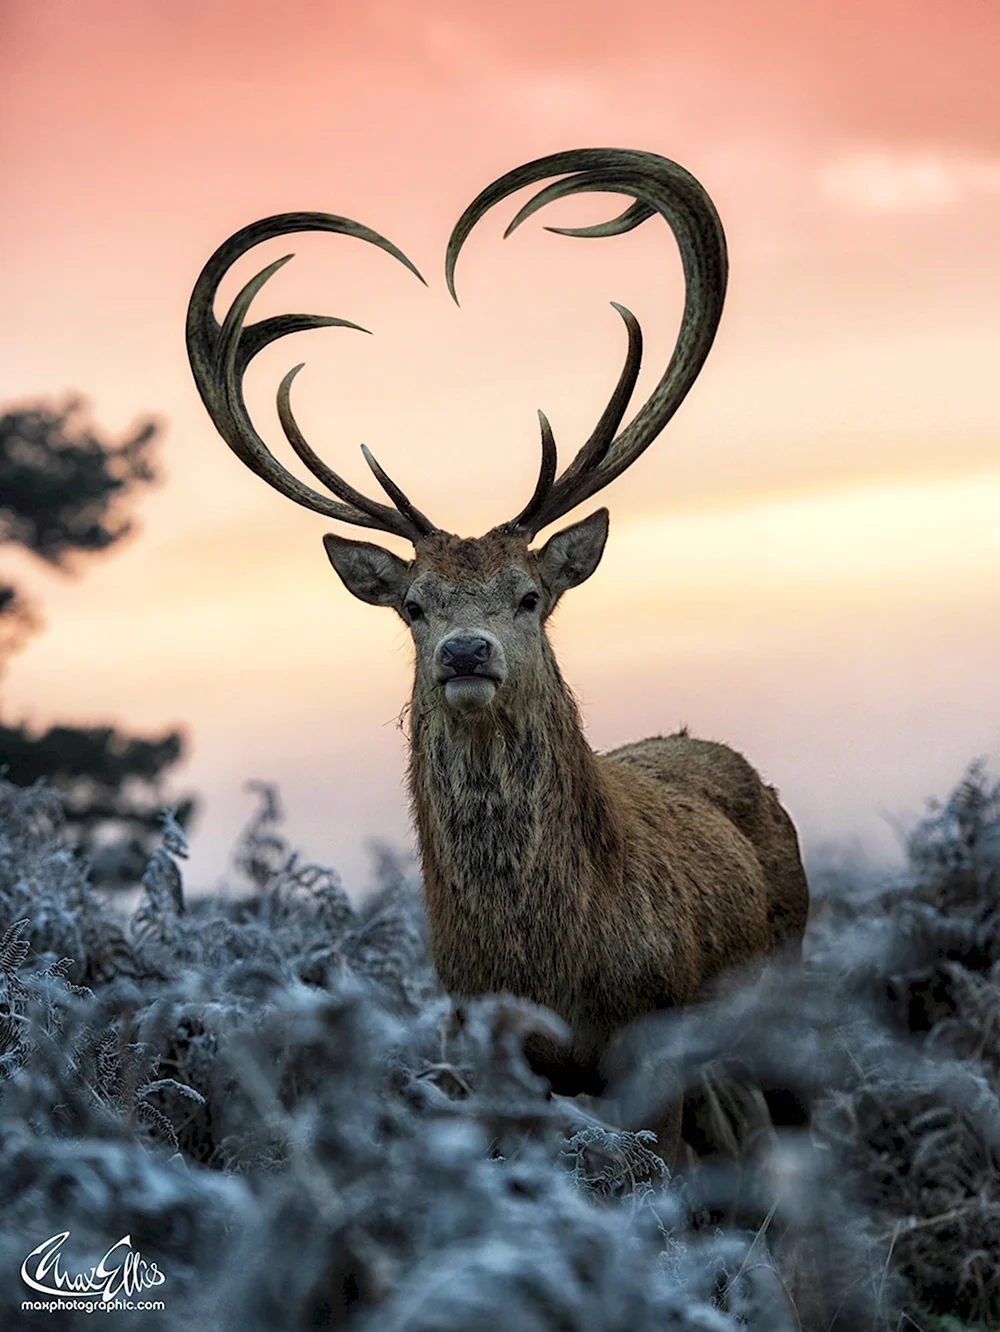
pixel 600 885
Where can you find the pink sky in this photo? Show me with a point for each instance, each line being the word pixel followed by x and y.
pixel 806 564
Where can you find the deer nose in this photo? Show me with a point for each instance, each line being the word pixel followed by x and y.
pixel 464 655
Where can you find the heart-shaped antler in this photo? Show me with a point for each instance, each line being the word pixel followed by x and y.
pixel 658 186
pixel 219 355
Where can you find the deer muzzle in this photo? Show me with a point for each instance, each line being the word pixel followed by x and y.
pixel 470 668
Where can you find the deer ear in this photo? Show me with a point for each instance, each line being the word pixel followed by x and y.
pixel 572 555
pixel 369 572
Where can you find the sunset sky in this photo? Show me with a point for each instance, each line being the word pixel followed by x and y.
pixel 805 565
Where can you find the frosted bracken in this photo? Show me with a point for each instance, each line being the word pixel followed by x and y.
pixel 267 1090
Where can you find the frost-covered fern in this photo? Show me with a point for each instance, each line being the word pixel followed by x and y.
pixel 266 1089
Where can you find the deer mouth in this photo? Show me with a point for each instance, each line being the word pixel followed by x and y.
pixel 470 693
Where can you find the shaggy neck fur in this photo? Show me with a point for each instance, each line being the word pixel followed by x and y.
pixel 510 808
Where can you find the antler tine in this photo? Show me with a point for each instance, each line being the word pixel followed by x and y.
pixel 420 521
pixel 596 447
pixel 546 476
pixel 219 357
pixel 556 164
pixel 657 185
pixel 322 472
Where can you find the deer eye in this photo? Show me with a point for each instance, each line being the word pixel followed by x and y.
pixel 529 601
pixel 413 611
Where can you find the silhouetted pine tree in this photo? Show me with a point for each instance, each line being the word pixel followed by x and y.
pixel 62 494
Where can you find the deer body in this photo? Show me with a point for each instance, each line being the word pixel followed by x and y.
pixel 585 891
pixel 602 886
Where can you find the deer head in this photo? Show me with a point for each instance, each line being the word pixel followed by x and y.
pixel 476 608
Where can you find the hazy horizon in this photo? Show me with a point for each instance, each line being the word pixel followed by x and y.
pixel 806 564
